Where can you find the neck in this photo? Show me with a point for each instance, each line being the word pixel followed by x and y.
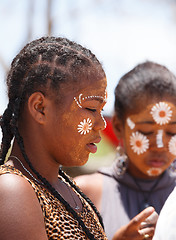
pixel 46 167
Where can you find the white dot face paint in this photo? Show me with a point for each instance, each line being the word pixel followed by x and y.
pixel 161 113
pixel 159 139
pixel 85 126
pixel 80 98
pixel 130 123
pixel 154 172
pixel 139 143
pixel 172 145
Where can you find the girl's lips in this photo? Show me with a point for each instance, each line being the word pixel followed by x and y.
pixel 92 147
pixel 156 163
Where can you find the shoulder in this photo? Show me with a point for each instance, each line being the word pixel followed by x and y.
pixel 91 185
pixel 90 181
pixel 19 208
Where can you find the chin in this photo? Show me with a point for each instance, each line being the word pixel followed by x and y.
pixel 154 172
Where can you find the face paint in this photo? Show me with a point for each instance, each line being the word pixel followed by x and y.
pixel 85 126
pixel 80 99
pixel 139 142
pixel 172 145
pixel 154 172
pixel 130 123
pixel 161 113
pixel 105 124
pixel 159 139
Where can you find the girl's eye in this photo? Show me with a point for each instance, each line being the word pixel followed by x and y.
pixel 91 109
pixel 146 133
pixel 170 133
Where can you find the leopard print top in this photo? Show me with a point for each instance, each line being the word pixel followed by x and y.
pixel 59 223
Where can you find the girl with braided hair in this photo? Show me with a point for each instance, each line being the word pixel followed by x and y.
pixel 56 90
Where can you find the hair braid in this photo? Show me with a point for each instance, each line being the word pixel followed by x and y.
pixel 62 173
pixel 7 134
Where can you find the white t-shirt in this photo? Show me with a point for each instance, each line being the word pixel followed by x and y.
pixel 166 225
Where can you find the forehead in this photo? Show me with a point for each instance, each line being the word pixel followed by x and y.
pixel 146 112
pixel 93 88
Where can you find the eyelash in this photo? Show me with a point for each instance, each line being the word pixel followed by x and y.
pixel 146 133
pixel 93 110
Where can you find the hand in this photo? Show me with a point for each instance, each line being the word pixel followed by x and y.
pixel 141 227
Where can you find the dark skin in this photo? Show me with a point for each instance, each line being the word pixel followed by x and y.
pixel 36 123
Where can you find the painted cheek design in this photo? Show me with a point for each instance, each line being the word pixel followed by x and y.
pixel 139 143
pixel 161 113
pixel 159 139
pixel 85 126
pixel 154 171
pixel 130 123
pixel 172 145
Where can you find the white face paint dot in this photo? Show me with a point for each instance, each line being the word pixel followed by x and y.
pixel 139 143
pixel 130 123
pixel 161 113
pixel 154 172
pixel 172 145
pixel 85 126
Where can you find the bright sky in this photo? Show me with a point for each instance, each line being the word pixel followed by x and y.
pixel 122 33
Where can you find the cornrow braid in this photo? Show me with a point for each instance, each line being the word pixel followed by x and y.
pixel 62 173
pixel 42 65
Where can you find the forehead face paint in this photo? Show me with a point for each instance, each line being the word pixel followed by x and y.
pixel 85 126
pixel 161 113
pixel 139 143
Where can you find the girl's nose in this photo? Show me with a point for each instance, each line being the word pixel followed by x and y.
pixel 100 123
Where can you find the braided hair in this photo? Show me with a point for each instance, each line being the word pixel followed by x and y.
pixel 46 63
pixel 146 80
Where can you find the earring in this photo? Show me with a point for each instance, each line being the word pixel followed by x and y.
pixel 121 161
pixel 172 167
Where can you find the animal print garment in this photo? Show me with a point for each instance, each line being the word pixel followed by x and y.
pixel 59 223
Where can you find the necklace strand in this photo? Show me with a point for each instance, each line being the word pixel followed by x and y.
pixel 70 191
pixel 26 169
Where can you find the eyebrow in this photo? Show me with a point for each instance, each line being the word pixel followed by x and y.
pixel 97 98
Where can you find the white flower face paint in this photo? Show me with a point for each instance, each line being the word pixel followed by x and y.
pixel 154 172
pixel 139 142
pixel 161 113
pixel 130 123
pixel 172 145
pixel 159 139
pixel 85 126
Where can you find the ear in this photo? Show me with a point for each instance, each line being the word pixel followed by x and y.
pixel 36 106
pixel 117 127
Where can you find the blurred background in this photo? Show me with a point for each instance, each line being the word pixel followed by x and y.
pixel 122 33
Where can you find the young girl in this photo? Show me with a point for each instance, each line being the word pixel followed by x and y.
pixel 56 90
pixel 145 119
